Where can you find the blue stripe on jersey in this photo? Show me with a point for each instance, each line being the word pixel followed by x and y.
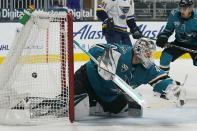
pixel 131 16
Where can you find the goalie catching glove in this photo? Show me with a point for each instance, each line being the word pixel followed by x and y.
pixel 176 91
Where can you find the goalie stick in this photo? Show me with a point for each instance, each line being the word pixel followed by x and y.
pixel 117 80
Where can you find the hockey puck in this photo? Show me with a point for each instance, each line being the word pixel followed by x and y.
pixel 182 102
pixel 34 75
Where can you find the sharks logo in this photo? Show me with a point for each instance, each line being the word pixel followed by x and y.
pixel 124 68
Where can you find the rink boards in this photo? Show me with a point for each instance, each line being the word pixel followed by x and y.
pixel 86 33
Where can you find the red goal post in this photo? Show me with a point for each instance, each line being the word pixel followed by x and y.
pixel 71 67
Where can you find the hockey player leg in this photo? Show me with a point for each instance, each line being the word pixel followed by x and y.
pixel 126 106
pixel 194 58
pixel 113 108
pixel 165 60
pixel 96 109
pixel 120 107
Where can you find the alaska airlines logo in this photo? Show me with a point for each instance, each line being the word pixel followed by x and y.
pixel 150 33
pixel 86 32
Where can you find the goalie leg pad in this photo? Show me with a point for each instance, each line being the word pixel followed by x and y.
pixel 115 106
pixel 134 109
pixel 105 108
pixel 81 107
pixel 97 110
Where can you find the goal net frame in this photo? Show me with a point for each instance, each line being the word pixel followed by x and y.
pixel 10 98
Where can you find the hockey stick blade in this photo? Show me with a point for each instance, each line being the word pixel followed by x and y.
pixel 116 79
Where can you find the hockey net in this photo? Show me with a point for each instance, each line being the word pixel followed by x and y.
pixel 36 81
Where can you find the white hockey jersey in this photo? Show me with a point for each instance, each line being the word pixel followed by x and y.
pixel 120 11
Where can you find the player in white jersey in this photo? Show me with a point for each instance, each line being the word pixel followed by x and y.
pixel 117 15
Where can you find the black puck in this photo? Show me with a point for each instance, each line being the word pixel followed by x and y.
pixel 34 75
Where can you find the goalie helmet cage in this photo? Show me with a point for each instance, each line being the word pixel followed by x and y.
pixel 36 82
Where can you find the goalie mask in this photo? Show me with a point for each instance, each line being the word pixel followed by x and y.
pixel 145 49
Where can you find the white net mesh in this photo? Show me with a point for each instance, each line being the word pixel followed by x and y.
pixel 34 84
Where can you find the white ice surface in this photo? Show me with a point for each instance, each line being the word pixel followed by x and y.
pixel 171 118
